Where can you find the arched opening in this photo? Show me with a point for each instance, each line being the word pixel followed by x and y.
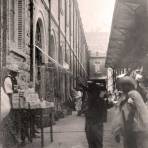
pixel 39 60
pixel 38 35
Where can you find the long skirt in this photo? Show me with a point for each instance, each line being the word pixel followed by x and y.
pixel 94 134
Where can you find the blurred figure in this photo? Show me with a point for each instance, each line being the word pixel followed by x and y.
pixel 96 115
pixel 78 102
pixel 9 123
pixel 141 86
pixel 77 99
pixel 134 116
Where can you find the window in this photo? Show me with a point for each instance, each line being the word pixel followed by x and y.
pixel 97 67
pixel 38 36
pixel 38 42
pixel 21 22
pixel 97 53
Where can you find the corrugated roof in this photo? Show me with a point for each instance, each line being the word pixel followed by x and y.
pixel 129 32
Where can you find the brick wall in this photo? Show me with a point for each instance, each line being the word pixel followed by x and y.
pixel 68 42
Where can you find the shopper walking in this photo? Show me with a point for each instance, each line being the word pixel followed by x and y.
pixel 96 115
pixel 134 116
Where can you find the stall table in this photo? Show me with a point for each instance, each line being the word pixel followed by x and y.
pixel 40 114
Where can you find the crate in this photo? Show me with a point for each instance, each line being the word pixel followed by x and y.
pixel 46 117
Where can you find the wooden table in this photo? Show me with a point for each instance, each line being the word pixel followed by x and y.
pixel 40 114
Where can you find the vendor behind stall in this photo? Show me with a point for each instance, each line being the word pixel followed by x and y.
pixel 9 123
pixel 10 81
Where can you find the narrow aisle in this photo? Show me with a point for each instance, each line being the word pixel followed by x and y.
pixel 69 133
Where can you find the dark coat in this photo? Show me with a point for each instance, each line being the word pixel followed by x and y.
pixel 97 108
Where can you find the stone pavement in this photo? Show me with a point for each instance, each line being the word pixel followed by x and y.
pixel 69 133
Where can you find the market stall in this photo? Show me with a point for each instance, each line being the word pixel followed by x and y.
pixel 30 113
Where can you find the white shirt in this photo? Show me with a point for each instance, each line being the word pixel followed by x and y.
pixel 5 104
pixel 8 85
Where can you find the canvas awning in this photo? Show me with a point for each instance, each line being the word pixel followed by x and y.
pixel 129 34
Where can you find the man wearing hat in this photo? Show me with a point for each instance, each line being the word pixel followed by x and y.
pixel 10 82
pixel 96 114
pixel 10 123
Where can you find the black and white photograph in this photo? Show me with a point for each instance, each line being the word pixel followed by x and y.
pixel 74 73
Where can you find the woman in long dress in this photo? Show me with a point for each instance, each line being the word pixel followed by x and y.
pixel 134 115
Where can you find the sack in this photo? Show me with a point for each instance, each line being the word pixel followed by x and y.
pixel 5 104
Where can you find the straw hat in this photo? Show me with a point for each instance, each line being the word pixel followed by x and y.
pixel 127 80
pixel 13 67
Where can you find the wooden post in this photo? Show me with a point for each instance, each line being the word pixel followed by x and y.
pixel 114 79
pixel 31 40
pixel 4 32
pixel 0 54
pixel 51 128
pixel 42 128
pixel 49 26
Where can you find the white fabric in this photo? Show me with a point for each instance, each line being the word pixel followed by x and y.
pixel 5 104
pixel 78 95
pixel 141 116
pixel 8 85
pixel 78 102
pixel 28 95
pixel 121 76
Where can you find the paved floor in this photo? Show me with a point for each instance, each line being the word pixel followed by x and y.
pixel 69 133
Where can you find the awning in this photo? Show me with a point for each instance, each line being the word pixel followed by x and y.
pixel 64 67
pixel 129 34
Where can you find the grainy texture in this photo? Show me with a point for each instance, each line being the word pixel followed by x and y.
pixel 69 133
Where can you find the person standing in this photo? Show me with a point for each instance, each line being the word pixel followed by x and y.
pixel 96 115
pixel 134 116
pixel 8 124
pixel 78 103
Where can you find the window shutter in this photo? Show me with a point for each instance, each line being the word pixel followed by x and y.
pixel 21 23
pixel 12 20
